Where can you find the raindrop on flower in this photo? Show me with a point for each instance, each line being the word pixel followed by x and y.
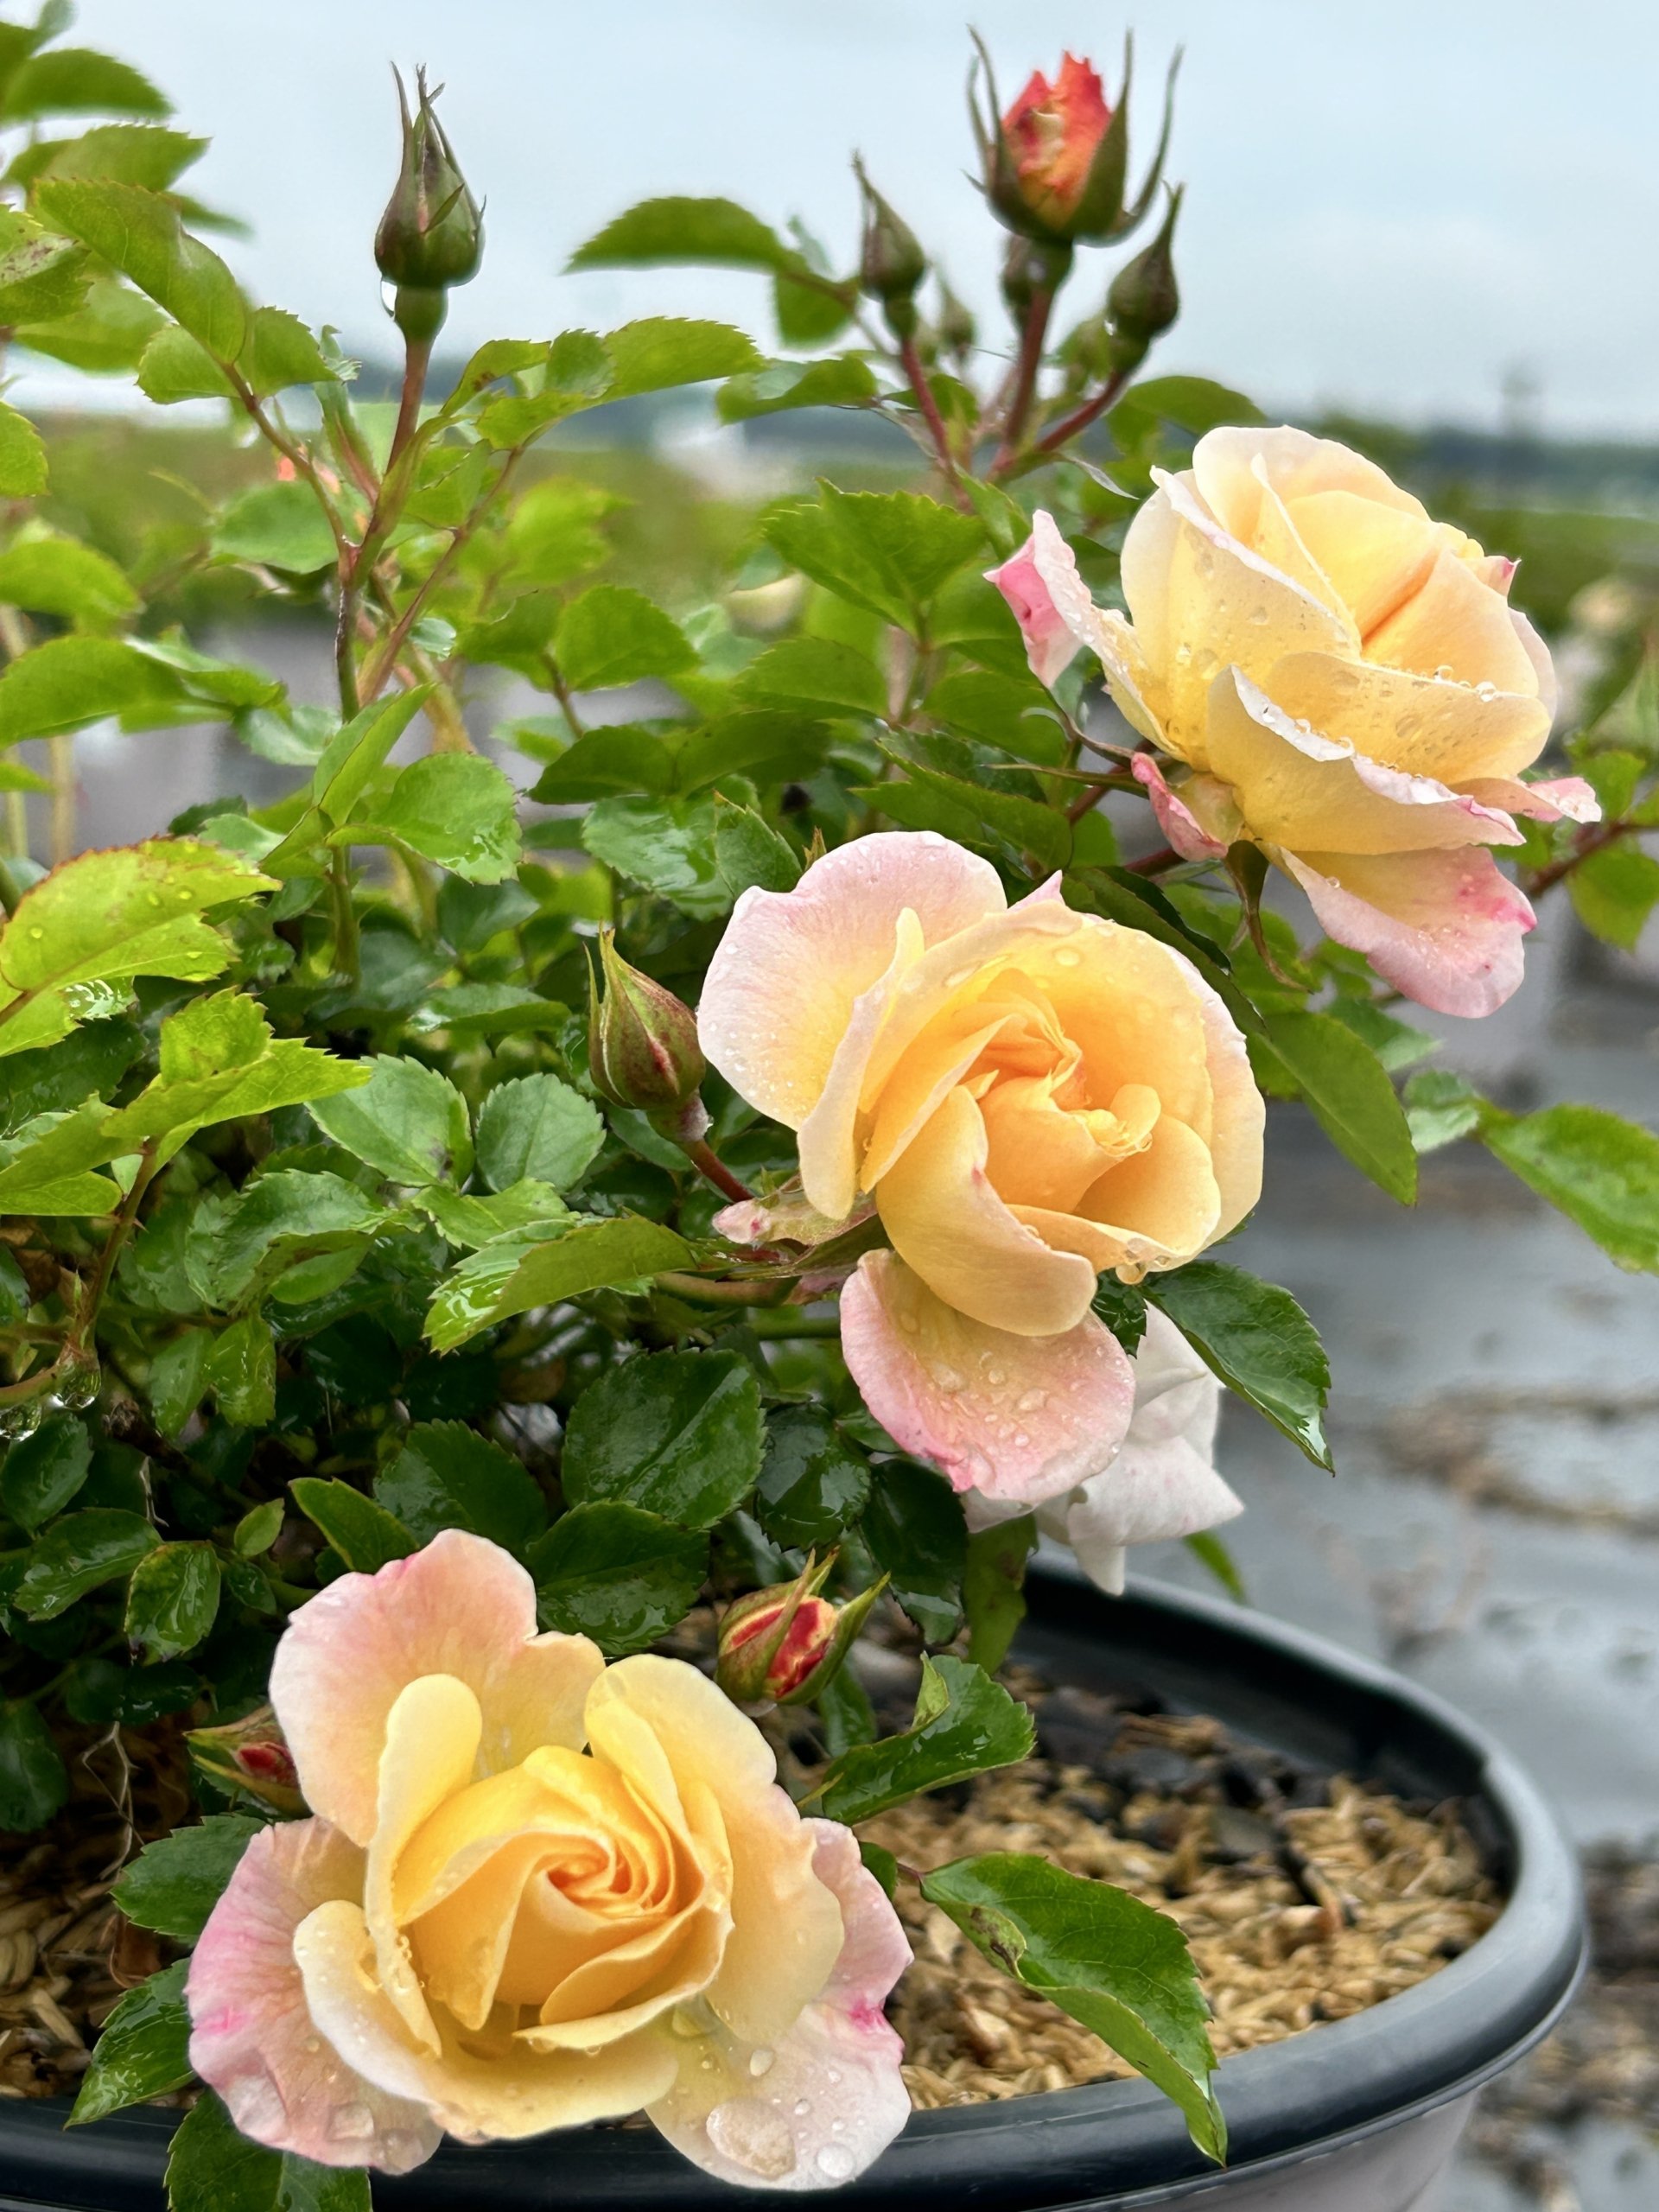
pixel 835 2162
pixel 753 2137
pixel 352 2123
pixel 760 2061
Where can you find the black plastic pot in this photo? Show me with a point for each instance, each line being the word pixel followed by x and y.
pixel 1358 2116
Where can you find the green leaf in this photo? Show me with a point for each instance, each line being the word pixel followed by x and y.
pixel 711 233
pixel 178 1378
pixel 33 1782
pixel 468 1221
pixel 928 800
pixel 1258 1341
pixel 78 1554
pixel 615 760
pixel 127 153
pixel 537 1128
pixel 1441 1107
pixel 212 2167
pixel 965 1725
pixel 75 80
pixel 661 351
pixel 679 1434
pixel 550 535
pixel 22 457
pixel 51 575
pixel 619 1574
pixel 94 921
pixel 142 2050
pixel 1601 1171
pixel 815 671
pixel 173 1884
pixel 241 1372
pixel 275 526
pixel 176 367
pixel 1614 890
pixel 890 551
pixel 42 275
pixel 814 1481
pixel 1352 1100
pixel 1396 1043
pixel 843 381
pixel 280 351
pixel 257 1529
pixel 69 682
pixel 993 1587
pixel 750 855
pixel 667 845
pixel 454 808
pixel 1123 1308
pixel 364 1535
pixel 172 1599
pixel 42 1472
pixel 140 232
pixel 106 335
pixel 1208 1549
pixel 514 1274
pixel 448 1475
pixel 914 1528
pixel 1115 1964
pixel 275 1219
pixel 610 635
pixel 408 1122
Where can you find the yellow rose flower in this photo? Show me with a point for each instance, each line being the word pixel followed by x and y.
pixel 538 1890
pixel 1344 684
pixel 1028 1096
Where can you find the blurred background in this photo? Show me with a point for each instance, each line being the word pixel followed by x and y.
pixel 1428 229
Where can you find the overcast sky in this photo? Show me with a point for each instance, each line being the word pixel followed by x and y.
pixel 1390 206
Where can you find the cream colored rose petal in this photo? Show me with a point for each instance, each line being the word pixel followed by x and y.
pixel 1165 1201
pixel 431 1749
pixel 1453 624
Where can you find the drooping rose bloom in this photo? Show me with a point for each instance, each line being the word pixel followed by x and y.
pixel 1163 1483
pixel 1029 1096
pixel 538 1890
pixel 1343 683
pixel 1052 133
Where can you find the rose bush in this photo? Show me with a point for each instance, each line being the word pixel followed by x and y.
pixel 1028 1096
pixel 536 1892
pixel 1344 684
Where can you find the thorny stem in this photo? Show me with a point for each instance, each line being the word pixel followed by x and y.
pixel 916 370
pixel 94 1290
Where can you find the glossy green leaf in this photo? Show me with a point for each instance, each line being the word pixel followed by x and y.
pixel 1347 1090
pixel 42 1472
pixel 1258 1341
pixel 140 232
pixel 750 855
pixel 33 1782
pixel 535 1126
pixel 667 845
pixel 275 526
pixel 276 1219
pixel 172 1599
pixel 843 381
pixel 455 807
pixel 69 682
pixel 78 1554
pixel 993 1587
pixel 178 1378
pixel 611 635
pixel 965 1725
pixel 814 1481
pixel 49 574
pixel 1116 1964
pixel 447 1476
pixel 467 1221
pixel 174 1884
pixel 142 2050
pixel 364 1535
pixel 1601 1170
pixel 914 1528
pixel 1441 1107
pixel 408 1121
pixel 213 2168
pixel 622 1575
pixel 257 1529
pixel 662 350
pixel 1398 1045
pixel 891 552
pixel 241 1372
pixel 514 1274
pixel 679 1434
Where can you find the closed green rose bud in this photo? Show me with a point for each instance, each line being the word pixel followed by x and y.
pixel 250 1755
pixel 892 264
pixel 786 1644
pixel 431 236
pixel 1144 299
pixel 642 1045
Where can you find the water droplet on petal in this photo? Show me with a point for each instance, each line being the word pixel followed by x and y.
pixel 760 2061
pixel 352 2123
pixel 1067 957
pixel 835 2162
pixel 753 2137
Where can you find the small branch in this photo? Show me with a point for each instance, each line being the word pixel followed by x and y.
pixel 1153 863
pixel 1025 381
pixel 1074 424
pixel 716 1290
pixel 347 956
pixel 1594 837
pixel 916 370
pixel 379 666
pixel 93 1296
pixel 566 698
pixel 713 1169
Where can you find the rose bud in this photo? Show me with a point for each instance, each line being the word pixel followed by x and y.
pixel 642 1045
pixel 250 1755
pixel 893 263
pixel 957 328
pixel 787 1643
pixel 1144 299
pixel 1056 163
pixel 432 233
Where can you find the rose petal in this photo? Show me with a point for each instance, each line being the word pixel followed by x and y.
pixel 823 2102
pixel 1423 725
pixel 460 1606
pixel 783 981
pixel 1312 792
pixel 1445 928
pixel 1454 622
pixel 1015 1416
pixel 1031 581
pixel 1185 833
pixel 1230 467
pixel 253 2039
pixel 475 2091
pixel 1561 799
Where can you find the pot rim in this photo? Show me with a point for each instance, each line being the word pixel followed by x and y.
pixel 1306 2095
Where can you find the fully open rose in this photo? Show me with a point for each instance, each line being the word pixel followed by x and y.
pixel 1030 1095
pixel 538 1890
pixel 1343 682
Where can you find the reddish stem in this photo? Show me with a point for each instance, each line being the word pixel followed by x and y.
pixel 1592 838
pixel 713 1169
pixel 1153 863
pixel 1031 355
pixel 1081 417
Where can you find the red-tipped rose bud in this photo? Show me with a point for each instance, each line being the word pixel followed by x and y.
pixel 1055 163
pixel 250 1755
pixel 1144 299
pixel 432 233
pixel 892 264
pixel 642 1045
pixel 787 1643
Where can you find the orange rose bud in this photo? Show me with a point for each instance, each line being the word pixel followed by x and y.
pixel 250 1755
pixel 642 1045
pixel 1052 133
pixel 787 1643
pixel 1056 161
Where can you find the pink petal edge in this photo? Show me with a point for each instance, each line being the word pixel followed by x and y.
pixel 1185 833
pixel 1450 935
pixel 1036 581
